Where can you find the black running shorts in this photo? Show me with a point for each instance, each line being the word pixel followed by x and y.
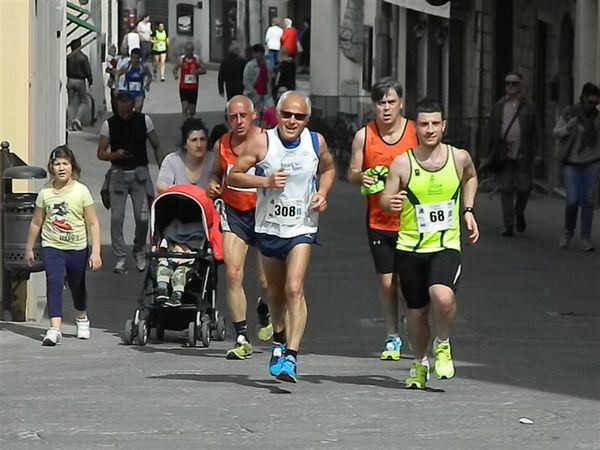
pixel 383 249
pixel 188 95
pixel 419 271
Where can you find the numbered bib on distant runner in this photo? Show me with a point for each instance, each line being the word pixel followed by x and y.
pixel 161 46
pixel 250 171
pixel 286 212
pixel 135 85
pixel 434 217
pixel 189 78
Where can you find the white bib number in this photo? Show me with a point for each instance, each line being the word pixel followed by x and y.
pixel 435 216
pixel 189 78
pixel 250 171
pixel 135 85
pixel 286 212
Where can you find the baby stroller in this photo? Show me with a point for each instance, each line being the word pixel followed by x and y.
pixel 197 313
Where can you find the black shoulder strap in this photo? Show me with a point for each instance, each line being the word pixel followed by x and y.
pixel 512 121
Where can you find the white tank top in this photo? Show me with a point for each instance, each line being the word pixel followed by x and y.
pixel 286 212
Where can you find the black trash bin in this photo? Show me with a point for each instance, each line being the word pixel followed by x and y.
pixel 18 211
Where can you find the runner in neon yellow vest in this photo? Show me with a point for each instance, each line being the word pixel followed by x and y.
pixel 160 44
pixel 424 185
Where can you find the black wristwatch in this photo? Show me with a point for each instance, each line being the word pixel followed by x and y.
pixel 469 209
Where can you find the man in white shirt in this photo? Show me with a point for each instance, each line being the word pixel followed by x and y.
pixel 273 42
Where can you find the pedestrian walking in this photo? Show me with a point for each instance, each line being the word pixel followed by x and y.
pixel 131 40
pixel 186 70
pixel 231 73
pixel 256 80
pixel 285 71
pixel 65 215
pixel 425 184
pixel 514 146
pixel 293 161
pixel 373 149
pixel 123 143
pixel 238 225
pixel 144 29
pixel 78 71
pixel 273 42
pixel 578 135
pixel 305 44
pixel 289 37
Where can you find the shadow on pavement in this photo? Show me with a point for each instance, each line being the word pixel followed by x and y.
pixel 242 380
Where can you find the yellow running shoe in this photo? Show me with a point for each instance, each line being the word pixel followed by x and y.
pixel 242 349
pixel 265 327
pixel 443 366
pixel 265 333
pixel 392 349
pixel 418 376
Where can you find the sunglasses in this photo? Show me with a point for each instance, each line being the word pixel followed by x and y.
pixel 288 115
pixel 512 83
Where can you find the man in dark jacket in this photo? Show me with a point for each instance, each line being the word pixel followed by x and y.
pixel 78 70
pixel 231 73
pixel 515 126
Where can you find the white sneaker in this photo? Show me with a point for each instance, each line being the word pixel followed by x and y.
pixel 140 260
pixel 121 266
pixel 586 245
pixel 83 328
pixel 565 240
pixel 53 337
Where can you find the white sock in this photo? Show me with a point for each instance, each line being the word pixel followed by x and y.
pixel 437 341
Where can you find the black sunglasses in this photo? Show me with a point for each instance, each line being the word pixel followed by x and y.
pixel 512 83
pixel 288 115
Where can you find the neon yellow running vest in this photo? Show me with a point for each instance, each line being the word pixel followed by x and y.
pixel 430 220
pixel 160 41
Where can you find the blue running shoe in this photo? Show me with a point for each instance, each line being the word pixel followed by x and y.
pixel 392 349
pixel 288 369
pixel 277 353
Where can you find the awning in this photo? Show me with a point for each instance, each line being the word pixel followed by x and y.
pixel 424 7
pixel 79 24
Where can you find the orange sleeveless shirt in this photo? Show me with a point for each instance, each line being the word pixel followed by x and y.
pixel 377 152
pixel 241 199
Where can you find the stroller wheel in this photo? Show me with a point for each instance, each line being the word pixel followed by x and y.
pixel 127 337
pixel 142 333
pixel 192 338
pixel 206 333
pixel 160 330
pixel 220 328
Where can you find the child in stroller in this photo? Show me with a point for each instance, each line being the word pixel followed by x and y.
pixel 175 273
pixel 186 249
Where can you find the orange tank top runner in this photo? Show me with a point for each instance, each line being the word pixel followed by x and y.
pixel 377 152
pixel 242 199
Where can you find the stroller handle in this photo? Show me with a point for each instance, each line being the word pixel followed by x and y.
pixel 204 255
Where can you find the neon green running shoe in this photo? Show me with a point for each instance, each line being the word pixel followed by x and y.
pixel 242 350
pixel 444 366
pixel 392 349
pixel 418 376
pixel 265 333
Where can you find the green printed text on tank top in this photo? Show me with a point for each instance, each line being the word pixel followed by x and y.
pixel 430 213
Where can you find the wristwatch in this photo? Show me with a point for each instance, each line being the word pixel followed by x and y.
pixel 469 209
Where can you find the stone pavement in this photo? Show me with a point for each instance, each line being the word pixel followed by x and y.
pixel 526 344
